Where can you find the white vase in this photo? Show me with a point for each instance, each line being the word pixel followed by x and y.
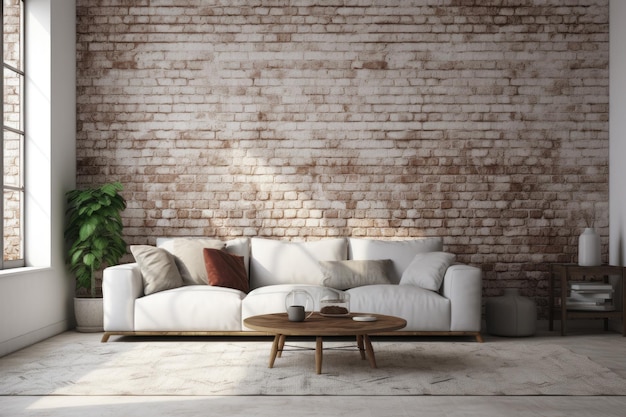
pixel 589 248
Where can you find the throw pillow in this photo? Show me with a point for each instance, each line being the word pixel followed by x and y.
pixel 343 275
pixel 158 269
pixel 189 258
pixel 225 270
pixel 426 270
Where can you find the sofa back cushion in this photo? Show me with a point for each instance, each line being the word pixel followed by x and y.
pixel 283 262
pixel 401 252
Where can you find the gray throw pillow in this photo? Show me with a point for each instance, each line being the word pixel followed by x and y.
pixel 343 275
pixel 158 269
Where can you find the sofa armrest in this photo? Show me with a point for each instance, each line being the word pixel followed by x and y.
pixel 462 285
pixel 121 286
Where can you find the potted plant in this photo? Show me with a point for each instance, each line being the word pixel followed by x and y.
pixel 94 236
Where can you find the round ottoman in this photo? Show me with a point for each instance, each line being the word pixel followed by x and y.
pixel 511 314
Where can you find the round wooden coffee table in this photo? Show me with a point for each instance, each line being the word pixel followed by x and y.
pixel 320 326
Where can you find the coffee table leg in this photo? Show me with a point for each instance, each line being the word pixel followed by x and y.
pixel 359 342
pixel 318 354
pixel 281 345
pixel 274 350
pixel 370 351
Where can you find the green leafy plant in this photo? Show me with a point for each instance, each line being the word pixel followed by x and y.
pixel 94 231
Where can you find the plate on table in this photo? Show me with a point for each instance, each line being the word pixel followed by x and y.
pixel 364 318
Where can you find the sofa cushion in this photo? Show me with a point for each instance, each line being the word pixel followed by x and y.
pixel 158 269
pixel 423 310
pixel 283 262
pixel 401 252
pixel 189 258
pixel 342 275
pixel 225 270
pixel 190 308
pixel 427 270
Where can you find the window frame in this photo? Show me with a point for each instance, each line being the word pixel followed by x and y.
pixel 20 73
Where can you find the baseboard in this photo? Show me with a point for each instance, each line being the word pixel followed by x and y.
pixel 20 342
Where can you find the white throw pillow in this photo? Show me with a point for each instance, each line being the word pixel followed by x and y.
pixel 343 275
pixel 426 270
pixel 188 252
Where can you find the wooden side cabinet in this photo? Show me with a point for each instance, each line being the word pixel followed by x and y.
pixel 562 274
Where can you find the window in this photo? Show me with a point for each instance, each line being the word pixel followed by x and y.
pixel 12 149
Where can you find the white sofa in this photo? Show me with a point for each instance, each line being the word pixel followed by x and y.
pixel 275 267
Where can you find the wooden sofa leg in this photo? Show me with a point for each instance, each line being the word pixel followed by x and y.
pixel 479 338
pixel 105 337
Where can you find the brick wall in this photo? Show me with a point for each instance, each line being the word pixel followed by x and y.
pixel 487 125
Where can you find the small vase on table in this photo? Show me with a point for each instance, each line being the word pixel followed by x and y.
pixel 589 248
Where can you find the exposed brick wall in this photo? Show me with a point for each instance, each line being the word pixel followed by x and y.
pixel 485 125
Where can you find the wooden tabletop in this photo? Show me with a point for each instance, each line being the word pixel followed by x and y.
pixel 318 325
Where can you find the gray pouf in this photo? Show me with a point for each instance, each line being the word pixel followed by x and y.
pixel 511 314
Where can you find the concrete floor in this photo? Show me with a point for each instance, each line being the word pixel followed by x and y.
pixel 606 348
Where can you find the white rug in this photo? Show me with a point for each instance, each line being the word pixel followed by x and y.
pixel 78 364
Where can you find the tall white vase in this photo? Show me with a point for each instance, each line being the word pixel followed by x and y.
pixel 589 248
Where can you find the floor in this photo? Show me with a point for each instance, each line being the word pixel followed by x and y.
pixel 606 348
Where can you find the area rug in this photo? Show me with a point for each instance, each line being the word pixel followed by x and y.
pixel 75 364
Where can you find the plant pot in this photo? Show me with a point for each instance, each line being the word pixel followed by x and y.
pixel 89 315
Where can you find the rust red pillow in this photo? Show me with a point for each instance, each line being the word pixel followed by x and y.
pixel 225 269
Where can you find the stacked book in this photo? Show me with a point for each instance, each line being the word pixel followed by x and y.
pixel 592 296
